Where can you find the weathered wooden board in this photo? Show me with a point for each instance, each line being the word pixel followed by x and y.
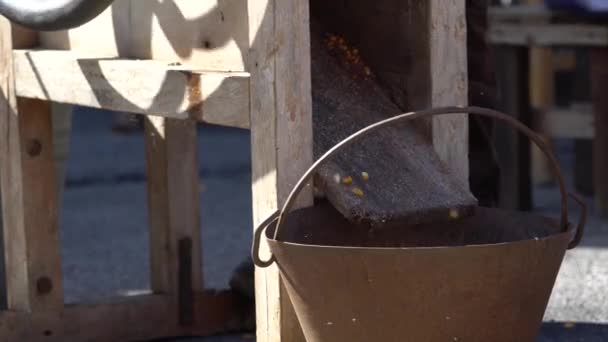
pixel 135 86
pixel 139 318
pixel 407 180
pixel 211 34
pixel 281 138
pixel 29 195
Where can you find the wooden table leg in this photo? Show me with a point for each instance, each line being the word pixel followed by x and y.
pixel 512 148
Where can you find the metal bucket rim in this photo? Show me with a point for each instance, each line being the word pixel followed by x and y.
pixel 553 236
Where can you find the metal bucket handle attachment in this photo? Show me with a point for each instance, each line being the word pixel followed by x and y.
pixel 279 214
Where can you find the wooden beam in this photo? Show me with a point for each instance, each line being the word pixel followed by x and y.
pixel 210 34
pixel 139 318
pixel 512 148
pixel 281 137
pixel 573 123
pixel 449 81
pixel 548 34
pixel 33 265
pixel 599 82
pixel 530 12
pixel 135 86
pixel 173 202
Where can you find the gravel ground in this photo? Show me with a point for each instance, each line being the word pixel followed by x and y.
pixel 104 226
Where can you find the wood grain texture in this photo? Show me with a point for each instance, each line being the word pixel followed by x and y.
pixel 407 183
pixel 210 34
pixel 144 87
pixel 139 318
pixel 548 34
pixel 111 30
pixel 173 200
pixel 449 82
pixel 34 280
pixel 281 137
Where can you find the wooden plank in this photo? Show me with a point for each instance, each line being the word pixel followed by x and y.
pixel 449 82
pixel 408 182
pixel 281 137
pixel 529 12
pixel 541 98
pixel 134 86
pixel 111 30
pixel 33 265
pixel 548 34
pixel 173 201
pixel 513 149
pixel 139 318
pixel 571 123
pixel 210 34
pixel 599 82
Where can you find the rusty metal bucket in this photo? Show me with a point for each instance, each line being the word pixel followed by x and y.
pixel 487 277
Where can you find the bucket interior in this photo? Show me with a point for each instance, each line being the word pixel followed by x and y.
pixel 323 225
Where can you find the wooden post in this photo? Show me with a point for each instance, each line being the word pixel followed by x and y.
pixel 173 202
pixel 33 265
pixel 449 81
pixel 541 99
pixel 599 82
pixel 281 137
pixel 513 149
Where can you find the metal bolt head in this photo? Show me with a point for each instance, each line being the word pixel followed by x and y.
pixel 44 285
pixel 33 147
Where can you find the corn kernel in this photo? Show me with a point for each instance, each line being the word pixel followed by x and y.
pixel 337 178
pixel 347 180
pixel 454 214
pixel 358 192
pixel 365 175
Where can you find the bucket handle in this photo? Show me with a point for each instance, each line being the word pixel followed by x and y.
pixel 533 136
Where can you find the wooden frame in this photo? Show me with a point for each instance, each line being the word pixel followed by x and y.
pixel 264 85
pixel 178 303
pixel 516 31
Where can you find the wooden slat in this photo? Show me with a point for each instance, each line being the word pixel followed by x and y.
pixel 33 265
pixel 210 34
pixel 548 34
pixel 528 12
pixel 281 137
pixel 173 200
pixel 449 81
pixel 541 98
pixel 144 87
pixel 139 318
pixel 513 149
pixel 111 30
pixel 573 123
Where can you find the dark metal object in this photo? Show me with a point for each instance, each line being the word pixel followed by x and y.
pixel 52 15
pixel 186 293
pixel 44 285
pixel 487 277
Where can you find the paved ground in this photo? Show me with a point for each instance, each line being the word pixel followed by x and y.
pixel 105 238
